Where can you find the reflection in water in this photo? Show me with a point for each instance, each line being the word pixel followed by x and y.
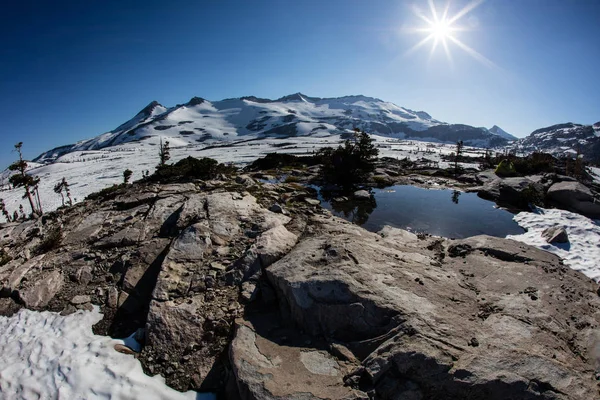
pixel 357 212
pixel 455 195
pixel 423 210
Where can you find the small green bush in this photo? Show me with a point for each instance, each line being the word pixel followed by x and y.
pixel 280 160
pixel 535 163
pixel 192 168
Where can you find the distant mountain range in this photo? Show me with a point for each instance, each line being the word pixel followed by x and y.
pixel 200 121
pixel 203 121
pixel 563 140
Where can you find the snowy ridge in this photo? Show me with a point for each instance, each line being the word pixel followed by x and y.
pixel 563 140
pixel 203 121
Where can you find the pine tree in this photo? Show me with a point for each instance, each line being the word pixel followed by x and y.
pixel 457 155
pixel 127 175
pixel 27 181
pixel 61 187
pixel 351 163
pixel 4 210
pixel 164 153
pixel 67 191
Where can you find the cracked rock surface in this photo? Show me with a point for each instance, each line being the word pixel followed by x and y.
pixel 231 297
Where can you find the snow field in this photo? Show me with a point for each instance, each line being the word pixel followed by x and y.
pixel 90 171
pixel 44 355
pixel 582 253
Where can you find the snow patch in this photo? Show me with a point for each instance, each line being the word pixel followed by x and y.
pixel 583 250
pixel 44 355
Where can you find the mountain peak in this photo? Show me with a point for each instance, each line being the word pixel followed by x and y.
pixel 496 130
pixel 147 111
pixel 194 101
pixel 293 97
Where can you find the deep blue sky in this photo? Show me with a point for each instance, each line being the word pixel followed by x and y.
pixel 71 70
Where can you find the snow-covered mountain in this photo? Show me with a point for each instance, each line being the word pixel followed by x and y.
pixel 496 130
pixel 203 121
pixel 563 139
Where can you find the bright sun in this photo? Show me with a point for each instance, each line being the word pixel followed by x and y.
pixel 441 29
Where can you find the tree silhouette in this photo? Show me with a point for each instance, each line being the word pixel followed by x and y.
pixel 351 163
pixel 457 155
pixel 61 187
pixel 164 153
pixel 4 210
pixel 127 175
pixel 455 195
pixel 26 181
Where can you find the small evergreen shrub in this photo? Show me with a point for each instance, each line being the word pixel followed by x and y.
pixel 108 193
pixel 192 168
pixel 279 160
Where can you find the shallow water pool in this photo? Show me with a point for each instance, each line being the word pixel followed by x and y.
pixel 443 212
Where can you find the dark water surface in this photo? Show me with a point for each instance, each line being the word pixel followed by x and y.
pixel 442 212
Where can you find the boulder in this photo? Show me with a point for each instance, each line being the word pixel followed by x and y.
pixel 312 202
pixel 112 296
pixel 362 195
pixel 276 208
pixel 574 196
pixel 41 292
pixel 83 274
pixel 555 234
pixel 397 234
pixel 494 323
pixel 14 273
pixel 244 180
pixel 274 244
pixel 518 192
pixel 81 299
pixel 267 367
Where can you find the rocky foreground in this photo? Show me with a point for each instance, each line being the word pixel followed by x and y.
pixel 254 291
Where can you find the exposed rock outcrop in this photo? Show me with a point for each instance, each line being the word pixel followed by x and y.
pixel 575 197
pixel 229 296
pixel 503 320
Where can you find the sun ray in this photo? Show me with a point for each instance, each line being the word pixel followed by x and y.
pixel 420 44
pixel 435 44
pixel 417 11
pixel 472 52
pixel 433 11
pixel 445 15
pixel 447 51
pixel 466 9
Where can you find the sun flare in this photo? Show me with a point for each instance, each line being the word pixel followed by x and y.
pixel 442 29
